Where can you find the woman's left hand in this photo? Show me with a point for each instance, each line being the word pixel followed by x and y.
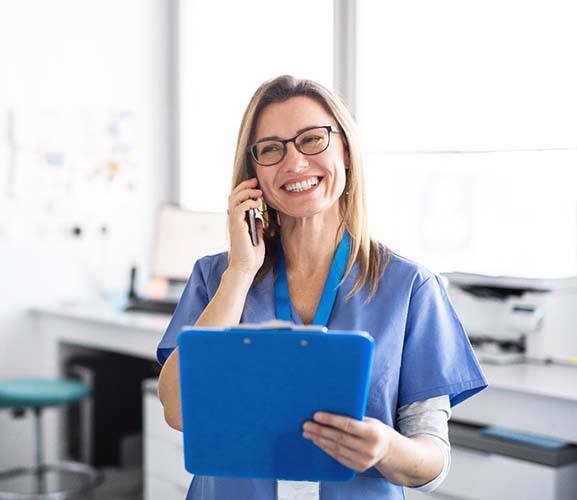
pixel 359 445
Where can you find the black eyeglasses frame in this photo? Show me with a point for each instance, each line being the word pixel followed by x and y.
pixel 251 149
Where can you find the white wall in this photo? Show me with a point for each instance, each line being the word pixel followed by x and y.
pixel 67 66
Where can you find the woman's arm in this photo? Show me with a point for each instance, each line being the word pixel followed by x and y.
pixel 428 418
pixel 224 309
pixel 411 461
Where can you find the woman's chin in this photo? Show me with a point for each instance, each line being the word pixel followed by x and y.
pixel 303 212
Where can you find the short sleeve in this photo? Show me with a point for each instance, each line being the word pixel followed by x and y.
pixel 437 356
pixel 192 303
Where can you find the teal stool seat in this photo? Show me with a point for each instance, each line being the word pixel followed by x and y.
pixel 32 393
pixel 37 482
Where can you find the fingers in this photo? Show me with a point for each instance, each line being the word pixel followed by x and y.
pixel 348 450
pixel 313 431
pixel 345 424
pixel 356 453
pixel 251 183
pixel 244 191
pixel 245 194
pixel 357 444
pixel 248 183
pixel 239 211
pixel 344 455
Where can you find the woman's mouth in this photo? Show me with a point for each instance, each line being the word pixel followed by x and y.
pixel 306 186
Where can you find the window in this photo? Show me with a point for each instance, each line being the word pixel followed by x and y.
pixel 227 50
pixel 468 113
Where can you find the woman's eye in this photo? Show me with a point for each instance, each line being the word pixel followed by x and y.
pixel 311 139
pixel 270 148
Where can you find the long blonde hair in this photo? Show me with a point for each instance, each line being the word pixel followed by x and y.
pixel 371 256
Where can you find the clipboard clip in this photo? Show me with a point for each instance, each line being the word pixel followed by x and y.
pixel 278 324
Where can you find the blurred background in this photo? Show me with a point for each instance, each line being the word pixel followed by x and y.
pixel 118 123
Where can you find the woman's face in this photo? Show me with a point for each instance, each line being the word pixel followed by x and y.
pixel 285 120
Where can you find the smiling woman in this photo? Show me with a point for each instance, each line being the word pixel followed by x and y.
pixel 315 263
pixel 287 106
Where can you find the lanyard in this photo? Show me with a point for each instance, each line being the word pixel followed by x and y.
pixel 325 307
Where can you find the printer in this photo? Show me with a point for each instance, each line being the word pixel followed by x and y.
pixel 512 319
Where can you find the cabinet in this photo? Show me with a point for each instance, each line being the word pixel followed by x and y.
pixel 164 473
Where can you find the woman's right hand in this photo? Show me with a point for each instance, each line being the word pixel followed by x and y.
pixel 244 256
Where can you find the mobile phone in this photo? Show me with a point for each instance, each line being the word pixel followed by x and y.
pixel 254 214
pixel 251 217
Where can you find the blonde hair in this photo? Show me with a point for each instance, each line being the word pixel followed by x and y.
pixel 371 255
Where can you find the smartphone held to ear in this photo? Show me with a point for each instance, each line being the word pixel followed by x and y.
pixel 252 215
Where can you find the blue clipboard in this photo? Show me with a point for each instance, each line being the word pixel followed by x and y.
pixel 247 392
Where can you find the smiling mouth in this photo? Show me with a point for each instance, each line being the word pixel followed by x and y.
pixel 299 187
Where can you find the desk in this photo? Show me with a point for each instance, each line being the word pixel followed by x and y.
pixel 101 327
pixel 97 326
pixel 540 399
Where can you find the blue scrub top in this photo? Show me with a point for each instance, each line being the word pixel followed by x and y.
pixel 421 351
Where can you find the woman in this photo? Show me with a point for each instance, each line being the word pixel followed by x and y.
pixel 315 263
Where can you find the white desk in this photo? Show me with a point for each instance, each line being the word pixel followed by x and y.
pixel 101 327
pixel 533 398
pixel 97 326
pixel 540 399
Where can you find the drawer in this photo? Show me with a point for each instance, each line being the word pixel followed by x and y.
pixel 156 488
pixel 154 423
pixel 166 461
pixel 477 475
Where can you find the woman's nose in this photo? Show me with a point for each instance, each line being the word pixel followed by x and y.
pixel 294 158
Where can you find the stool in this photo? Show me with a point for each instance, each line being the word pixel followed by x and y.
pixel 36 394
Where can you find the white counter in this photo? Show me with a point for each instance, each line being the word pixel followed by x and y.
pixel 541 399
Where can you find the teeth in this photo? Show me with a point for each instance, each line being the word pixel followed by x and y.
pixel 302 186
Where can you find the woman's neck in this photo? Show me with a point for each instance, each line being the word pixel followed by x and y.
pixel 309 243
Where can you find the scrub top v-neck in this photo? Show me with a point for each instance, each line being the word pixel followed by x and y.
pixel 284 308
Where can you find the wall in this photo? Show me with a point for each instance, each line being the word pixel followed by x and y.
pixel 80 152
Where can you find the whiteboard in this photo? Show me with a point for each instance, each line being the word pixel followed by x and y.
pixel 182 237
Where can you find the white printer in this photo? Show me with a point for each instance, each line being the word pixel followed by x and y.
pixel 510 319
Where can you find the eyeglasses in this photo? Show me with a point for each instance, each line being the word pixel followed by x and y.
pixel 312 141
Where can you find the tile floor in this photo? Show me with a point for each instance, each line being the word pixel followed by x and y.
pixel 119 484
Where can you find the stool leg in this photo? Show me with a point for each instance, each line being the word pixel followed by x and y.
pixel 39 437
pixel 39 459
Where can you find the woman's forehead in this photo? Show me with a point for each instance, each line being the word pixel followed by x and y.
pixel 285 119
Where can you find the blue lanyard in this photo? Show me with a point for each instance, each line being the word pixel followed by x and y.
pixel 325 307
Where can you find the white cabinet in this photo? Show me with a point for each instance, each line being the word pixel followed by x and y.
pixel 164 473
pixel 486 476
pixel 476 475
